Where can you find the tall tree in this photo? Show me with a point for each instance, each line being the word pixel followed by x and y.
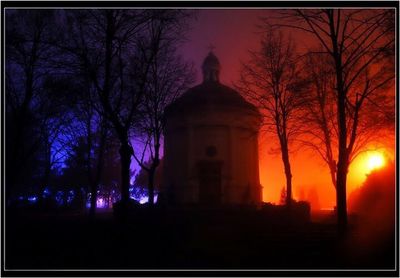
pixel 108 48
pixel 357 43
pixel 270 80
pixel 29 120
pixel 319 116
pixel 168 77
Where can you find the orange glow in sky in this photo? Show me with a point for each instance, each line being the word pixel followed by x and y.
pixel 233 33
pixel 311 179
pixel 365 163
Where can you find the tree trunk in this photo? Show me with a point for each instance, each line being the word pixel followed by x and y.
pixel 341 207
pixel 96 181
pixel 125 152
pixel 342 166
pixel 93 201
pixel 151 174
pixel 288 173
pixel 17 156
pixel 153 169
pixel 45 181
pixel 332 171
pixel 47 171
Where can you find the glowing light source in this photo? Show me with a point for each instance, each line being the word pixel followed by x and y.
pixel 32 199
pixel 70 196
pixel 144 199
pixel 46 193
pixel 375 161
pixel 60 198
pixel 101 203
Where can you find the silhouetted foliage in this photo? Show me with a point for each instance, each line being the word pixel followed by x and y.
pixel 169 76
pixel 33 110
pixel 115 51
pixel 355 44
pixel 271 80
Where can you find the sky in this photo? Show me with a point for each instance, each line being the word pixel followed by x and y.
pixel 233 33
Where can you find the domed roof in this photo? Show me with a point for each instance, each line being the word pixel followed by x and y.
pixel 209 93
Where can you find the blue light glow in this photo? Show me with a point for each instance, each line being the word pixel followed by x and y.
pixel 60 198
pixel 32 199
pixel 140 195
pixel 46 193
pixel 70 197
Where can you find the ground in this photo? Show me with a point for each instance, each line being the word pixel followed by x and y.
pixel 175 240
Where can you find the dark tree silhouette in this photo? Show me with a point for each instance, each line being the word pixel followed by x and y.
pixel 75 170
pixel 319 116
pixel 56 121
pixel 108 48
pixel 168 77
pixel 86 130
pixel 356 42
pixel 271 81
pixel 142 177
pixel 32 111
pixel 111 173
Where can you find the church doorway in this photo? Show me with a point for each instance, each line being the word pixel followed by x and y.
pixel 210 182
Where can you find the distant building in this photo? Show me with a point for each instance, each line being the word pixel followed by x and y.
pixel 211 145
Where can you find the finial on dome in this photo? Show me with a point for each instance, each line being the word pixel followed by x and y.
pixel 211 67
pixel 211 47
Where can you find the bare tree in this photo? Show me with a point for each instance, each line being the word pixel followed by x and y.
pixel 115 50
pixel 31 122
pixel 320 121
pixel 109 49
pixel 319 117
pixel 168 77
pixel 95 133
pixel 357 43
pixel 271 82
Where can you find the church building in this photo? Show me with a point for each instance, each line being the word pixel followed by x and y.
pixel 211 145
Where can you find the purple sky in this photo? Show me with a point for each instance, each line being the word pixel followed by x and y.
pixel 232 32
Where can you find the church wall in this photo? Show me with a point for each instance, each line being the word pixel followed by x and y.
pixel 235 137
pixel 241 166
pixel 175 164
pixel 210 136
pixel 245 182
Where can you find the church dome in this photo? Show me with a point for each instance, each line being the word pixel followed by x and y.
pixel 210 93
